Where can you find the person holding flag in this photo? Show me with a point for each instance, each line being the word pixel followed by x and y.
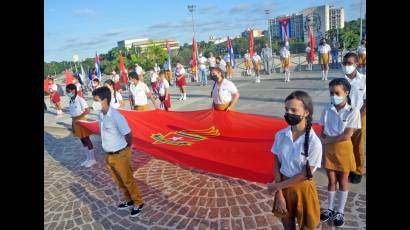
pixel 139 93
pixel 180 80
pixel 224 93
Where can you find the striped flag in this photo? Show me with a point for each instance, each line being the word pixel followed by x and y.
pixel 285 30
pixel 97 66
pixel 193 65
pixel 230 51
pixel 90 75
pixel 82 75
pixel 169 54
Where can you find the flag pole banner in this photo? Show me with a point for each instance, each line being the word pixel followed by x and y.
pixel 68 77
pixel 251 43
pixel 231 143
pixel 285 30
pixel 231 54
pixel 122 70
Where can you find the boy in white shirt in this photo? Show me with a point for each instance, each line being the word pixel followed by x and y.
pixel 116 138
pixel 139 92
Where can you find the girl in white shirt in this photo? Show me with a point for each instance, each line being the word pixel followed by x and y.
pixel 361 51
pixel 116 98
pixel 339 121
pixel 224 93
pixel 180 80
pixel 308 57
pixel 248 63
pixel 285 58
pixel 324 57
pixel 116 80
pixel 163 91
pixel 78 111
pixel 154 81
pixel 256 59
pixel 54 96
pixel 298 153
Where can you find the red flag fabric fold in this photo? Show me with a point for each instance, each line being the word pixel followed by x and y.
pixel 312 44
pixel 193 64
pixel 228 143
pixel 122 69
pixel 251 43
pixel 68 77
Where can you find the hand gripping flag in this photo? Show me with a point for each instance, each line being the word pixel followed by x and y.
pixel 228 143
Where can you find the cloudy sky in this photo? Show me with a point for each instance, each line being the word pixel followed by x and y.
pixel 85 27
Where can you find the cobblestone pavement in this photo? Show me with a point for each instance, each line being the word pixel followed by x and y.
pixel 175 198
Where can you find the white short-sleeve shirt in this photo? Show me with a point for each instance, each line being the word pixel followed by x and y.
pixel 116 78
pixel 162 86
pixel 154 77
pixel 358 90
pixel 335 122
pixel 53 88
pixel 180 70
pixel 119 98
pixel 202 60
pixel 361 50
pixel 307 49
pixel 223 94
pixel 212 61
pixel 77 106
pixel 113 127
pixel 139 93
pixel 222 65
pixel 324 49
pixel 289 152
pixel 284 53
pixel 256 58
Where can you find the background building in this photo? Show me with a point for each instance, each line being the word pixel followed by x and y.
pixel 321 18
pixel 256 33
pixel 144 43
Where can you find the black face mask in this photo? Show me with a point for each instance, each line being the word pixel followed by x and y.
pixel 214 77
pixel 292 119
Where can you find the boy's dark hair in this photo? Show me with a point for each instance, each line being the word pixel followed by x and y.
pixel 308 105
pixel 349 55
pixel 222 74
pixel 69 88
pixel 219 58
pixel 161 72
pixel 96 80
pixel 343 82
pixel 133 75
pixel 112 84
pixel 103 93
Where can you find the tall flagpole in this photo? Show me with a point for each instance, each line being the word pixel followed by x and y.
pixel 361 21
pixel 191 9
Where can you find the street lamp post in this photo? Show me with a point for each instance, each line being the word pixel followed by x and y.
pixel 361 21
pixel 267 12
pixel 191 9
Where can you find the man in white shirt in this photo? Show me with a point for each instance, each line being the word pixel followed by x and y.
pixel 221 64
pixel 358 100
pixel 116 138
pixel 202 70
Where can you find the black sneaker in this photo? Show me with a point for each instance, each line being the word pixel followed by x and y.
pixel 136 211
pixel 356 179
pixel 326 215
pixel 339 219
pixel 125 205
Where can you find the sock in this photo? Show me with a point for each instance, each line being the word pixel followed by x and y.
pixel 342 201
pixel 327 71
pixel 91 153
pixel 185 95
pixel 87 157
pixel 330 199
pixel 323 74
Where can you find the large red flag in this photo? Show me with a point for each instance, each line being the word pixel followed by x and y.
pixel 251 43
pixel 68 77
pixel 46 85
pixel 193 65
pixel 312 44
pixel 229 143
pixel 122 69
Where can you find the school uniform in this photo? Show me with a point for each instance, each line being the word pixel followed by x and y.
pixel 154 82
pixel 180 72
pixel 285 56
pixel 229 68
pixel 339 155
pixel 113 128
pixel 361 51
pixel 222 65
pixel 301 199
pixel 222 95
pixel 79 90
pixel 117 104
pixel 257 63
pixel 308 57
pixel 139 94
pixel 168 74
pixel 358 96
pixel 324 51
pixel 248 62
pixel 165 101
pixel 76 108
pixel 54 96
pixel 116 79
pixel 212 62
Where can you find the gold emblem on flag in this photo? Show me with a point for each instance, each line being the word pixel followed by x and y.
pixel 185 137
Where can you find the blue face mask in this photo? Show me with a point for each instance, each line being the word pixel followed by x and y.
pixel 336 100
pixel 70 95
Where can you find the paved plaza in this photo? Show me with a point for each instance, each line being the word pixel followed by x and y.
pixel 176 197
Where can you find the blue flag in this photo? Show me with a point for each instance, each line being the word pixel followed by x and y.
pixel 90 75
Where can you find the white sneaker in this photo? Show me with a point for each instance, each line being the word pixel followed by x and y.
pixel 84 163
pixel 90 163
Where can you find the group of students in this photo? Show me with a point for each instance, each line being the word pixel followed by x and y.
pixel 298 151
pixel 226 64
pixel 297 148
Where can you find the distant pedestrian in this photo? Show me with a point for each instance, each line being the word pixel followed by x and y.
pixel 285 59
pixel 180 80
pixel 163 92
pixel 256 60
pixel 54 96
pixel 361 51
pixel 248 63
pixel 335 53
pixel 308 57
pixel 229 66
pixel 266 55
pixel 202 70
pixel 324 57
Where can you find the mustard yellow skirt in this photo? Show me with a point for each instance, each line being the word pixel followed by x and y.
pixel 257 66
pixel 285 62
pixel 141 107
pixel 362 59
pixel 302 202
pixel 248 63
pixel 339 156
pixel 324 59
pixel 222 107
pixel 78 130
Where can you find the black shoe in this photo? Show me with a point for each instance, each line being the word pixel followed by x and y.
pixel 339 220
pixel 125 205
pixel 356 179
pixel 326 215
pixel 136 211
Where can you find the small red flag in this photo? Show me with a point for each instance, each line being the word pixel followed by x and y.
pixel 122 68
pixel 193 65
pixel 68 77
pixel 312 44
pixel 251 43
pixel 46 85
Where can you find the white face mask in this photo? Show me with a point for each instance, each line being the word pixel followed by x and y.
pixel 97 106
pixel 348 69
